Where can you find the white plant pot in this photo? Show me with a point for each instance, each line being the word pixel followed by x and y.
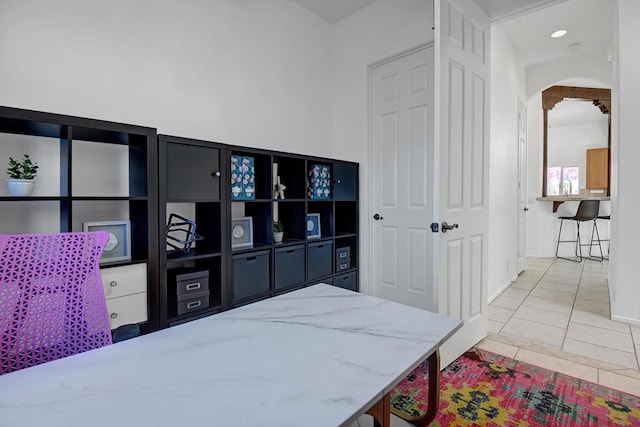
pixel 277 237
pixel 20 187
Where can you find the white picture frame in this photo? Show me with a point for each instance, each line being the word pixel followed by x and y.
pixel 313 226
pixel 118 247
pixel 242 232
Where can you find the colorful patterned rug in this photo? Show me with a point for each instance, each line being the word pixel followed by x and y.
pixel 486 389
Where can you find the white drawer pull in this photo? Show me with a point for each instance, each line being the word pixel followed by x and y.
pixel 192 286
pixel 114 315
pixel 194 304
pixel 113 283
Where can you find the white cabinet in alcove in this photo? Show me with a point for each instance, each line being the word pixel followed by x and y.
pixel 125 289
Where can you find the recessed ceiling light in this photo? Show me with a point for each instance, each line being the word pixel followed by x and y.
pixel 558 34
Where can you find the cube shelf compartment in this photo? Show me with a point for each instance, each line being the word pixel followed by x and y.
pixel 89 171
pixel 97 171
pixel 264 268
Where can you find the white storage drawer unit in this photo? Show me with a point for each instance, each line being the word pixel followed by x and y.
pixel 127 310
pixel 125 289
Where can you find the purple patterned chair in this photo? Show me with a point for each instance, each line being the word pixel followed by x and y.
pixel 52 303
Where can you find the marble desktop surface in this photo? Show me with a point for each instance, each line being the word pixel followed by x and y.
pixel 319 356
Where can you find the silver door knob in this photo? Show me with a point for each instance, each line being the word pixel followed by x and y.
pixel 446 227
pixel 377 217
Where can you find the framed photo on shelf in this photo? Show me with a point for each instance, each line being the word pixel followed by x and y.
pixel 313 226
pixel 118 247
pixel 242 232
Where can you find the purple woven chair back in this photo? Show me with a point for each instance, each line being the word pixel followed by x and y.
pixel 52 303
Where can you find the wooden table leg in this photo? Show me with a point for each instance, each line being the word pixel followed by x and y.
pixel 433 401
pixel 380 412
pixel 434 389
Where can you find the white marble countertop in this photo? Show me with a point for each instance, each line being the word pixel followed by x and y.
pixel 319 356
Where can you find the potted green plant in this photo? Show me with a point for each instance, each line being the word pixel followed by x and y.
pixel 21 176
pixel 278 231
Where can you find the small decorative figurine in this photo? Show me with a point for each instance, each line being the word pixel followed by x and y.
pixel 278 190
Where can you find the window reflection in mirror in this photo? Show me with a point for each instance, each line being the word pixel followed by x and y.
pixel 563 180
pixel 576 139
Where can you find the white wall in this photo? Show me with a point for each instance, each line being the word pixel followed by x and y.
pixel 593 64
pixel 588 69
pixel 624 266
pixel 377 32
pixel 507 86
pixel 254 73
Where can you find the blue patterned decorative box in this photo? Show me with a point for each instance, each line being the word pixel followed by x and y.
pixel 249 178
pixel 319 187
pixel 237 192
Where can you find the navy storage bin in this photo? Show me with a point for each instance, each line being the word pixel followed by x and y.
pixel 347 281
pixel 250 274
pixel 320 259
pixel 289 266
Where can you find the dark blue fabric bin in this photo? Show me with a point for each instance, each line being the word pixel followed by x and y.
pixel 289 266
pixel 320 259
pixel 250 274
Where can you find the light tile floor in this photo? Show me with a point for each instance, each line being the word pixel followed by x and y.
pixel 556 315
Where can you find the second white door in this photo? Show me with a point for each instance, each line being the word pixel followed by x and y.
pixel 402 178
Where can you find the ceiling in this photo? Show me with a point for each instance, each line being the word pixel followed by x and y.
pixel 589 24
pixel 333 11
pixel 576 112
pixel 527 23
pixel 499 10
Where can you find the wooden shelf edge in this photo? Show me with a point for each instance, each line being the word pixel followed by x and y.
pixel 178 258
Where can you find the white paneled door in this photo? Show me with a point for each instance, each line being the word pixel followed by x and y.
pixel 462 143
pixel 402 178
pixel 429 166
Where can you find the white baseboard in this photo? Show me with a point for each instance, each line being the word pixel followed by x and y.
pixel 625 320
pixel 501 290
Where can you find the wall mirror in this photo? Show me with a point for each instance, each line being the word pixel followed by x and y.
pixel 576 141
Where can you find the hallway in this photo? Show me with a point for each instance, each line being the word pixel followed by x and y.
pixel 556 315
